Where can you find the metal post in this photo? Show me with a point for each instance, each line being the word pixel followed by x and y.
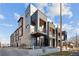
pixel 76 41
pixel 61 28
pixel 57 35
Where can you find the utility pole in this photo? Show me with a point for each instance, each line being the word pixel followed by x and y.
pixel 61 28
pixel 76 41
pixel 57 35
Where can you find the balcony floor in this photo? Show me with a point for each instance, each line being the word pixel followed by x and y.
pixel 37 34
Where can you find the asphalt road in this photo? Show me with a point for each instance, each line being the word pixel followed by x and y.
pixel 13 52
pixel 75 53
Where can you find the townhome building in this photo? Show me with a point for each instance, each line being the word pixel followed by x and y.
pixel 34 30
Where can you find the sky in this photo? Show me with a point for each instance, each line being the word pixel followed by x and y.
pixel 10 13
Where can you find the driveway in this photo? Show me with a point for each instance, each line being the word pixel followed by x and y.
pixel 13 52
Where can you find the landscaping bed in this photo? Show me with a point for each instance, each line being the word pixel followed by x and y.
pixel 64 53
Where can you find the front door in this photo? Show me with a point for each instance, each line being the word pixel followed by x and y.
pixel 53 42
pixel 17 44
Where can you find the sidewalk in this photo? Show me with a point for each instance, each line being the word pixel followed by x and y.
pixel 43 51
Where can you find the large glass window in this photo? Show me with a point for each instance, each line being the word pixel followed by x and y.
pixel 42 25
pixel 20 22
pixel 16 35
pixel 21 31
pixel 12 38
pixel 52 31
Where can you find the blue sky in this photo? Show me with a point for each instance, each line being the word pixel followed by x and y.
pixel 8 19
pixel 10 12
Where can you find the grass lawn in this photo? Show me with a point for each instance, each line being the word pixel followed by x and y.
pixel 64 53
pixel 76 49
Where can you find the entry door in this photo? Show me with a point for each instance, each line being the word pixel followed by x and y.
pixel 33 41
pixel 41 41
pixel 50 43
pixel 17 44
pixel 53 42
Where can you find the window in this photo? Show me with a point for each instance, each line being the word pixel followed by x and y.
pixel 16 35
pixel 12 38
pixel 20 21
pixel 27 14
pixel 42 25
pixel 27 26
pixel 20 31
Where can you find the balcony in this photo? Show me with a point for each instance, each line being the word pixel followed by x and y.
pixel 42 29
pixel 42 26
pixel 32 29
pixel 52 35
pixel 36 32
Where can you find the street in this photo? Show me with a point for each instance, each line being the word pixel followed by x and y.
pixel 13 52
pixel 75 53
pixel 22 52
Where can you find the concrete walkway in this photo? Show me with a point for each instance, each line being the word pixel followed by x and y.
pixel 26 52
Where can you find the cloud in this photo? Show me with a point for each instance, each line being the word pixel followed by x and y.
pixel 49 20
pixel 17 16
pixel 1 17
pixel 71 31
pixel 6 25
pixel 41 6
pixel 76 30
pixel 67 27
pixel 53 10
pixel 71 22
pixel 78 24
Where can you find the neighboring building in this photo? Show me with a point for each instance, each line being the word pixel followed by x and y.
pixel 34 30
pixel 64 36
pixel 51 34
